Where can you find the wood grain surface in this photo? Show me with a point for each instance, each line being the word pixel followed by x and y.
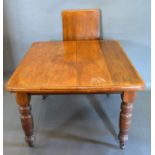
pixel 81 24
pixel 75 67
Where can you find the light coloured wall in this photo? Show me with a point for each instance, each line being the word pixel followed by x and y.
pixel 26 21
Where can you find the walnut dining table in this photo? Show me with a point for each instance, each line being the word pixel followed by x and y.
pixel 75 67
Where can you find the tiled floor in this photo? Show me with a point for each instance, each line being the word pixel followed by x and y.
pixel 77 125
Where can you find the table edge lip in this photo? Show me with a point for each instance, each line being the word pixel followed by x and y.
pixel 79 89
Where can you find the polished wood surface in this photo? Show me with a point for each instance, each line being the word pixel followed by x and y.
pixel 81 24
pixel 75 67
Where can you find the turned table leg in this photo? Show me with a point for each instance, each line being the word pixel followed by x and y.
pixel 125 116
pixel 23 100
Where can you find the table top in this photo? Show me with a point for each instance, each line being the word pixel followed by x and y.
pixel 95 66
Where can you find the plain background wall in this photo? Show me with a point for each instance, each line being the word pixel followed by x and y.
pixel 129 21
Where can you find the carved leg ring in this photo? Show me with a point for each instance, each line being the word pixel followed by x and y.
pixel 26 117
pixel 125 116
pixel 27 123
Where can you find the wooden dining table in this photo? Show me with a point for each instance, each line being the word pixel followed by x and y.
pixel 75 67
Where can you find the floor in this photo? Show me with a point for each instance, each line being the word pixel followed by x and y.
pixel 77 125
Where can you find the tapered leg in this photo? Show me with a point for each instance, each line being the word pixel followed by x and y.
pixel 125 116
pixel 23 100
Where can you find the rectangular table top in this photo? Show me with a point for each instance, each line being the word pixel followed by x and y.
pixel 75 67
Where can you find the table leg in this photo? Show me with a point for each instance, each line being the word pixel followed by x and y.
pixel 23 101
pixel 125 116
